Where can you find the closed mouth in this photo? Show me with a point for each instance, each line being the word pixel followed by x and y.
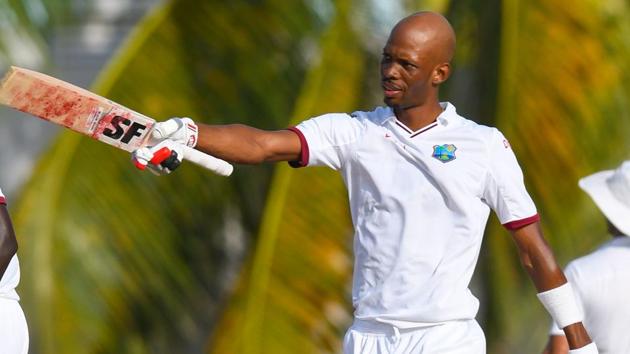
pixel 388 86
pixel 390 89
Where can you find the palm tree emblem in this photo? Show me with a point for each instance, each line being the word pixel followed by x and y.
pixel 444 153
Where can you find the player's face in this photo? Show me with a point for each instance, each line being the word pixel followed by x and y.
pixel 407 69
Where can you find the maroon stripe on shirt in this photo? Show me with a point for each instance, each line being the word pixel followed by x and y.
pixel 517 224
pixel 403 126
pixel 303 160
pixel 416 133
pixel 423 130
pixel 2 200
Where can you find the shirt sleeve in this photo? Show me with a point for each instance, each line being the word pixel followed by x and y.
pixel 326 140
pixel 505 189
pixel 554 330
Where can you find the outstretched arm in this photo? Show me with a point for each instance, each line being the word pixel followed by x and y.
pixel 539 262
pixel 243 144
pixel 8 243
pixel 234 143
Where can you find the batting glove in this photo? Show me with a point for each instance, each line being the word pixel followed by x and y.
pixel 160 159
pixel 180 130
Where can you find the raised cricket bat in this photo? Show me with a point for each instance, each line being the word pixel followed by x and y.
pixel 87 113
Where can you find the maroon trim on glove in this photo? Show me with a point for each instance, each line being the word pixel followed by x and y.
pixel 517 224
pixel 303 160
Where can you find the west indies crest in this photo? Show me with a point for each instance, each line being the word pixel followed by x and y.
pixel 444 153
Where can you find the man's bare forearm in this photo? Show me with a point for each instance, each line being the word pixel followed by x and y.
pixel 540 263
pixel 538 259
pixel 247 145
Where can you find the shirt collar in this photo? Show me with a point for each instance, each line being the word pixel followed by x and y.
pixel 448 115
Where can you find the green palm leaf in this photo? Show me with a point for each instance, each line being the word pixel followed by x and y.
pixel 563 103
pixel 20 40
pixel 134 263
pixel 295 296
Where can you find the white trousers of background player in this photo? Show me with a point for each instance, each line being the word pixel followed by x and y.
pixel 456 337
pixel 13 329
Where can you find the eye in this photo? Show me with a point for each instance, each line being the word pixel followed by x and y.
pixel 386 58
pixel 409 66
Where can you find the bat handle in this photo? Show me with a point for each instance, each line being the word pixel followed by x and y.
pixel 213 164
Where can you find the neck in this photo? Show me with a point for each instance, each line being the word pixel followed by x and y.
pixel 418 117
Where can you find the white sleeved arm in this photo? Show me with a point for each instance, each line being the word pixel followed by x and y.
pixel 505 190
pixel 326 139
pixel 554 330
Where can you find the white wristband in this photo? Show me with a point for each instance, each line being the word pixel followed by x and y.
pixel 561 304
pixel 587 349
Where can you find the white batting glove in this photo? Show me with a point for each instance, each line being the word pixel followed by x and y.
pixel 160 159
pixel 180 130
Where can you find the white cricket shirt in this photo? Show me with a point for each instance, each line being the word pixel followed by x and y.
pixel 419 203
pixel 601 281
pixel 11 276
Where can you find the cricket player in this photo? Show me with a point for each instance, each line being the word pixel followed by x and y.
pixel 421 181
pixel 13 329
pixel 601 279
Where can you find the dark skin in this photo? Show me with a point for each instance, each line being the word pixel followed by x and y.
pixel 559 344
pixel 539 262
pixel 416 61
pixel 8 242
pixel 612 230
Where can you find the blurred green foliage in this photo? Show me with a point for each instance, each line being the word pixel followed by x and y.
pixel 115 260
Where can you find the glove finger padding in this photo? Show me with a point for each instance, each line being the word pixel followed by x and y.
pixel 167 158
pixel 181 130
pixel 141 157
pixel 160 159
pixel 164 130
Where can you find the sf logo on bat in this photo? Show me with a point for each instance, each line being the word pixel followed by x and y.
pixel 124 129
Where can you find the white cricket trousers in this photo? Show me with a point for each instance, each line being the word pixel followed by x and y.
pixel 456 337
pixel 13 329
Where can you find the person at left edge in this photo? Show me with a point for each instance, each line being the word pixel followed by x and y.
pixel 13 329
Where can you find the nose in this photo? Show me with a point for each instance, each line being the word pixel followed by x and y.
pixel 389 70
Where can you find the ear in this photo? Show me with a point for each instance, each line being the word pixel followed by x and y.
pixel 441 73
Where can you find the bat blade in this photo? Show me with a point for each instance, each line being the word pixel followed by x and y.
pixel 87 113
pixel 75 108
